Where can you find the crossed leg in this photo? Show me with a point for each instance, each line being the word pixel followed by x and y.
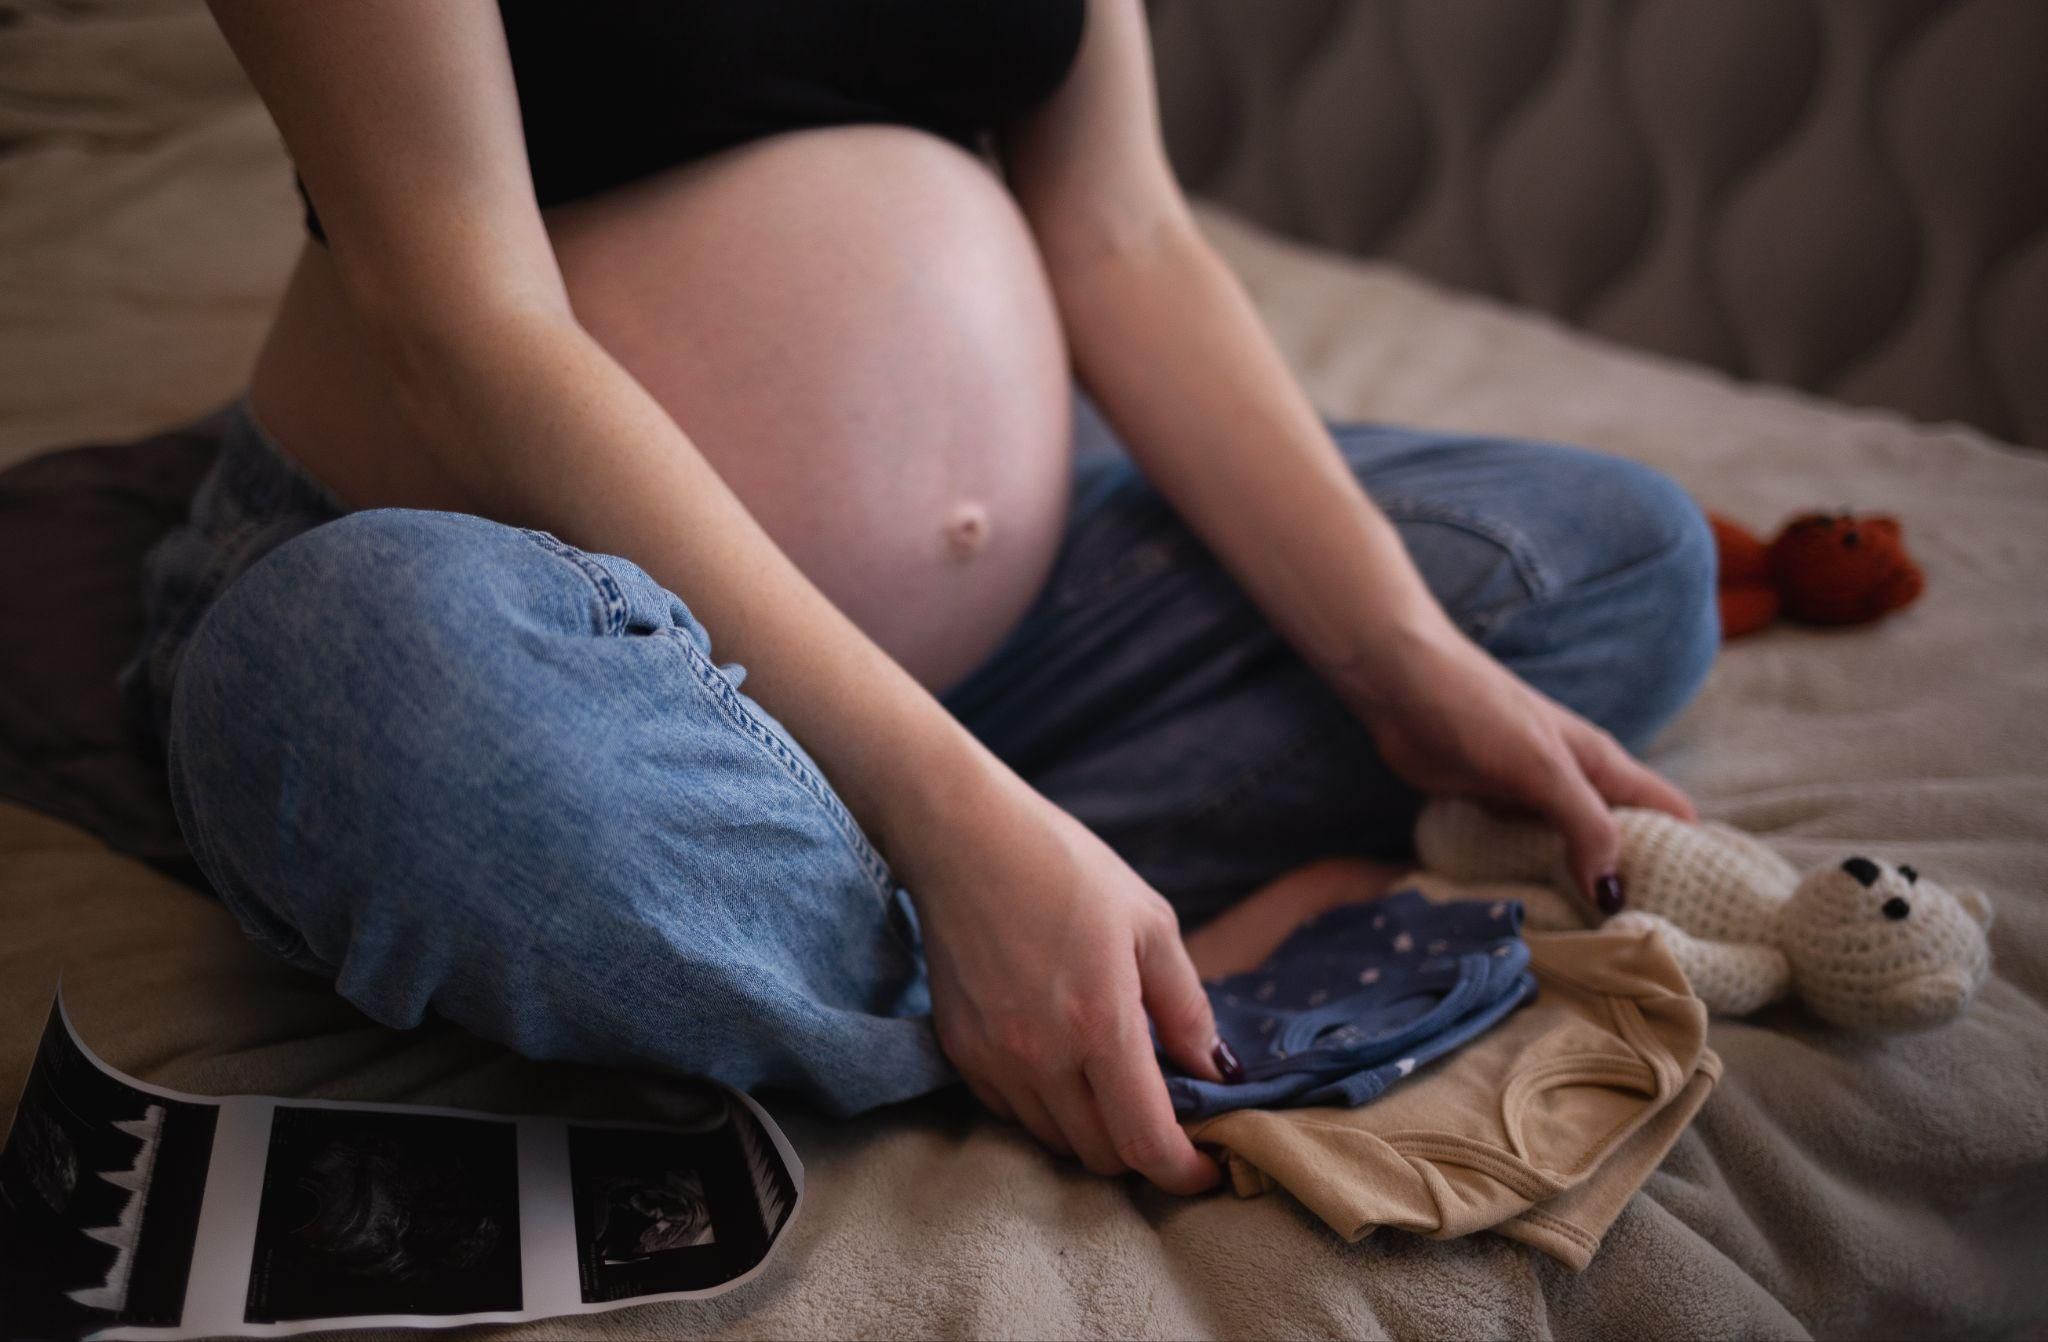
pixel 460 768
pixel 1150 698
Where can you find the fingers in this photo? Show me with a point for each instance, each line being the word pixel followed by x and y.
pixel 1018 1104
pixel 1038 1120
pixel 1123 1122
pixel 1130 1095
pixel 1592 839
pixel 1075 1109
pixel 1175 1001
pixel 1597 775
pixel 1624 780
pixel 991 1099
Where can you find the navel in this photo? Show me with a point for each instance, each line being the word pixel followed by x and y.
pixel 967 528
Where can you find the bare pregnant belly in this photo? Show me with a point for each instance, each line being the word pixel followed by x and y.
pixel 852 324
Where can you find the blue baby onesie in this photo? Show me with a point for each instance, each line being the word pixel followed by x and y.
pixel 1360 997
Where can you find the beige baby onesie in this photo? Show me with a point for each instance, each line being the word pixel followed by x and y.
pixel 1542 1128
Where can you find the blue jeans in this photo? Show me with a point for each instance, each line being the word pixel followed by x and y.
pixel 462 767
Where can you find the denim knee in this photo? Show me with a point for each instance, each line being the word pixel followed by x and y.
pixel 463 768
pixel 1659 587
pixel 1622 623
pixel 1680 566
pixel 300 689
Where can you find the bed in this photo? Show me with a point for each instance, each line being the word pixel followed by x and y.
pixel 1832 1185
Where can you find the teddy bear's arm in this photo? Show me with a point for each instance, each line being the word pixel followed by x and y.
pixel 1461 839
pixel 1733 978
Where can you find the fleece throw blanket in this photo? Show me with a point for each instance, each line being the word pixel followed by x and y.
pixel 1832 1185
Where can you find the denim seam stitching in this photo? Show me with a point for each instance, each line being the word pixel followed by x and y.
pixel 1626 571
pixel 603 585
pixel 708 675
pixel 728 699
pixel 1523 555
pixel 1495 616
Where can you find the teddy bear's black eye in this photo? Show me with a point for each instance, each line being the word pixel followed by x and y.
pixel 1896 908
pixel 1850 538
pixel 1912 876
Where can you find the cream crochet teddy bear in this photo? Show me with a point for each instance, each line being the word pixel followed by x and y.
pixel 1865 944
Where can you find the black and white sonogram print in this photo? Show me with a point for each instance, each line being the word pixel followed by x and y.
pixel 100 1185
pixel 382 1213
pixel 660 1210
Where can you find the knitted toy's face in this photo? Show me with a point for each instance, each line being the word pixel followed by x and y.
pixel 1843 569
pixel 1880 947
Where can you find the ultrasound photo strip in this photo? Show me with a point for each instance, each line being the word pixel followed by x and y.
pixel 132 1211
pixel 100 1188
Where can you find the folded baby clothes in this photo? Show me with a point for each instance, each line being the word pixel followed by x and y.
pixel 1570 1226
pixel 1540 1128
pixel 1360 997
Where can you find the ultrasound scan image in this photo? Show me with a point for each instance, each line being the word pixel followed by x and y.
pixel 662 1210
pixel 639 1217
pixel 100 1185
pixel 383 1213
pixel 360 1211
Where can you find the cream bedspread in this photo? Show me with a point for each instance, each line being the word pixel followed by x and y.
pixel 1831 1185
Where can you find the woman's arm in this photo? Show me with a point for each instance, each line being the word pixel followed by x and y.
pixel 1164 336
pixel 404 121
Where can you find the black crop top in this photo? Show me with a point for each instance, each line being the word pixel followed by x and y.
pixel 611 90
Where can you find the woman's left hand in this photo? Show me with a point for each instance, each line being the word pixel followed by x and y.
pixel 1448 718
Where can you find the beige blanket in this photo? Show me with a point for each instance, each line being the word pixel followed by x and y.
pixel 1831 1185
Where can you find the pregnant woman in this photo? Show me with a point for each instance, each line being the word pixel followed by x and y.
pixel 649 607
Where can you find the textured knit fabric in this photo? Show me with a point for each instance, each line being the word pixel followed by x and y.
pixel 1359 998
pixel 1867 944
pixel 1526 1116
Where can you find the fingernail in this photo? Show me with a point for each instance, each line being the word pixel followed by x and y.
pixel 1607 893
pixel 1226 1062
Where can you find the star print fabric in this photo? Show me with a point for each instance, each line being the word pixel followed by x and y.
pixel 1360 997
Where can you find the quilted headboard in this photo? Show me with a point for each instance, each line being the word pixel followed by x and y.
pixel 1849 196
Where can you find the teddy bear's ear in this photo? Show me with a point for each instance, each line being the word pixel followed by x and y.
pixel 1977 904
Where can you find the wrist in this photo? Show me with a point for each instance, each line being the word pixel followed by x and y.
pixel 1380 672
pixel 953 790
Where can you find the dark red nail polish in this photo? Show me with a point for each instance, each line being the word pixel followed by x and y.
pixel 1607 893
pixel 1227 1063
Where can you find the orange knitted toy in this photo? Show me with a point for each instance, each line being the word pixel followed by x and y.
pixel 1824 568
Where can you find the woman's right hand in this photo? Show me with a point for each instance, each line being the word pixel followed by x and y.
pixel 1046 954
